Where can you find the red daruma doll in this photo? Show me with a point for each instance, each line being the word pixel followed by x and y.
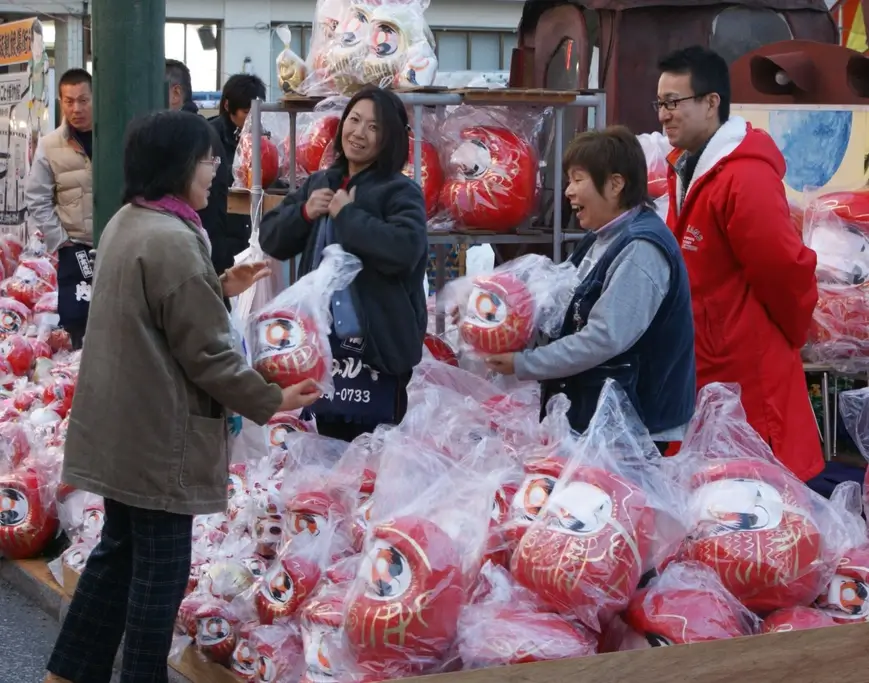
pixel 291 334
pixel 500 312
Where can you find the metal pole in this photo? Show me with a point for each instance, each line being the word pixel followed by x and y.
pixel 129 80
pixel 256 171
pixel 557 198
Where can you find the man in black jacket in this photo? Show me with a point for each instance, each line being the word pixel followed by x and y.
pixel 214 216
pixel 235 102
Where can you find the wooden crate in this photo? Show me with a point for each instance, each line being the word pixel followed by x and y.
pixel 199 670
pixel 70 580
pixel 838 654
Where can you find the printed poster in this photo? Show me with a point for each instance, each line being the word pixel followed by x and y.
pixel 24 113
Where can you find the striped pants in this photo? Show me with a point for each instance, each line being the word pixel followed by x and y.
pixel 133 584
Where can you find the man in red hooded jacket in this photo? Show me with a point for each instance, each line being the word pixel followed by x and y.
pixel 752 280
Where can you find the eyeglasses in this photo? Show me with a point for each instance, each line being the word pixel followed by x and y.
pixel 670 105
pixel 214 162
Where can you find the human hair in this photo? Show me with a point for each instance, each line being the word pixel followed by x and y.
pixel 604 153
pixel 161 153
pixel 75 77
pixel 239 91
pixel 708 71
pixel 177 73
pixel 392 127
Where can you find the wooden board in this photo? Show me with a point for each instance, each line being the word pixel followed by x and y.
pixel 239 201
pixel 198 670
pixel 70 580
pixel 39 571
pixel 538 97
pixel 837 654
pixel 299 103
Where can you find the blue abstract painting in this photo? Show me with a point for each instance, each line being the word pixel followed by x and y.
pixel 813 144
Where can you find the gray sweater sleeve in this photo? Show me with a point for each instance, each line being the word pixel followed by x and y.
pixel 634 287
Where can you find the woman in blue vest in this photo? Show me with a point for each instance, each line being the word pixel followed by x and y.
pixel 630 318
pixel 364 203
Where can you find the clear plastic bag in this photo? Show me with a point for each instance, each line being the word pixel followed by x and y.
pixel 836 227
pixel 510 626
pixel 502 311
pixel 421 554
pixel 216 625
pixel 773 542
pixel 316 492
pixel 34 277
pixel 613 515
pixel 846 599
pixel 855 416
pixel 270 157
pixel 385 43
pixel 28 513
pixel 796 619
pixel 291 68
pixel 291 334
pixel 317 131
pixel 293 576
pixel 491 169
pixel 278 652
pixel 686 604
pixel 656 147
pixel 401 50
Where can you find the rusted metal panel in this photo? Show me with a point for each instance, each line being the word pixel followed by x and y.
pixel 801 72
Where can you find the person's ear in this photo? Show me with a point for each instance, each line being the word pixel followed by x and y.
pixel 617 183
pixel 714 102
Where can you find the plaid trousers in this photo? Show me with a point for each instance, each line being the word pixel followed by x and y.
pixel 133 583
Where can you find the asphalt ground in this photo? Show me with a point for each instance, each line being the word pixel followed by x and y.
pixel 27 636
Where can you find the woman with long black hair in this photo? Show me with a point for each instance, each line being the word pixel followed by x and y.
pixel 365 204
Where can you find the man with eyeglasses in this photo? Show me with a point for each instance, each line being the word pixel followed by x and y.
pixel 752 280
pixel 59 198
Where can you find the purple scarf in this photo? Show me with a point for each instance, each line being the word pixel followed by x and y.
pixel 179 208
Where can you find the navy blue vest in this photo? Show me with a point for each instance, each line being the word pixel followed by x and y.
pixel 657 372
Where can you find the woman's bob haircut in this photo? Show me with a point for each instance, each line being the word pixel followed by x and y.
pixel 161 153
pixel 612 151
pixel 392 130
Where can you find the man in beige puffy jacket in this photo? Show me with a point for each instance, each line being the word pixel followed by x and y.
pixel 59 196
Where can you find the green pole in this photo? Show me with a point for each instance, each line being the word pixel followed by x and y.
pixel 129 80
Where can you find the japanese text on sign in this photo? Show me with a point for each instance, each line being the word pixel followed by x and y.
pixel 16 42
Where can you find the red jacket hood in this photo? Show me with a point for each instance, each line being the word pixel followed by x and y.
pixel 758 144
pixel 736 140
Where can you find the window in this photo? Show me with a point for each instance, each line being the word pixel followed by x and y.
pixel 474 50
pixel 189 42
pixel 300 44
pixel 739 30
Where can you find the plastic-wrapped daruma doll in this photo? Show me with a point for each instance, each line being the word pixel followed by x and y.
pixel 754 528
pixel 27 521
pixel 492 180
pixel 402 614
pixel 586 555
pixel 846 599
pixel 500 314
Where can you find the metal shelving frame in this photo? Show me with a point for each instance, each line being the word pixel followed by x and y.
pixel 418 101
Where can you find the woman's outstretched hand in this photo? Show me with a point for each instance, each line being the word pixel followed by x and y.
pixel 240 278
pixel 300 395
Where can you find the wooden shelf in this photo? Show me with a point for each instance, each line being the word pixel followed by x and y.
pixel 239 201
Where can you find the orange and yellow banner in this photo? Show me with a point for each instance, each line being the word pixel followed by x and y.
pixel 16 41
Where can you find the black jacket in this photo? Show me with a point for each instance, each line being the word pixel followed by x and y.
pixel 386 228
pixel 236 227
pixel 215 216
